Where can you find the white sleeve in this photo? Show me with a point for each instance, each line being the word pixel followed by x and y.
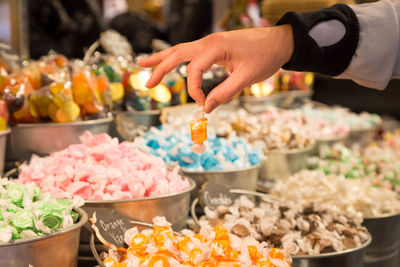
pixel 377 58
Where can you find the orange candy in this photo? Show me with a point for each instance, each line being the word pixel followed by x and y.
pixel 221 233
pixel 276 253
pixel 253 253
pixel 198 130
pixel 157 259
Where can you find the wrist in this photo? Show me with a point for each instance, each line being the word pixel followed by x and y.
pixel 287 41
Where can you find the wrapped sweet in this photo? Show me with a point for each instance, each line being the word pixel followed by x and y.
pixel 220 153
pixel 198 131
pixel 351 196
pixel 102 168
pixel 27 212
pixel 296 229
pixel 160 246
pixel 356 122
pixel 376 163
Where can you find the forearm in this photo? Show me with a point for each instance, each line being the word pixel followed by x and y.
pixel 359 43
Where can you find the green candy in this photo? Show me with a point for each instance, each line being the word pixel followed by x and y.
pixel 75 216
pixel 52 221
pixel 36 193
pixel 15 234
pixel 15 192
pixel 23 219
pixel 64 203
pixel 350 175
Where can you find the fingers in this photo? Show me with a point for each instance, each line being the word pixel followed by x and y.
pixel 155 59
pixel 197 67
pixel 167 65
pixel 238 80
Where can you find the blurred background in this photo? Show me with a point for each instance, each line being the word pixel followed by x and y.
pixel 69 27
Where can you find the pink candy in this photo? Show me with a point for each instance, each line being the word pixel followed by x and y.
pixel 102 168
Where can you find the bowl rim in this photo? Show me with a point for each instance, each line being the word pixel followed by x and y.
pixel 191 187
pixel 189 172
pixel 290 151
pixel 5 132
pixel 382 217
pixel 341 137
pixel 61 124
pixel 82 221
pixel 140 112
pixel 338 253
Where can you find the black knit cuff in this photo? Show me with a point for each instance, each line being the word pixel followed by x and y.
pixel 307 55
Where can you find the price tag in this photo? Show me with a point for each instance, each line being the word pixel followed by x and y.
pixel 213 195
pixel 110 227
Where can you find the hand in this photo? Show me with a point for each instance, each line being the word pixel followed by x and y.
pixel 251 55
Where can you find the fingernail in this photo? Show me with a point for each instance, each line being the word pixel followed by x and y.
pixel 210 106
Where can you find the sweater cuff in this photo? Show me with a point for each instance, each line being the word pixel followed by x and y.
pixel 308 55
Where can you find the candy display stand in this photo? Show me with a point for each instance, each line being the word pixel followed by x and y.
pixel 384 249
pixel 280 164
pixel 241 178
pixel 44 138
pixel 3 139
pixel 57 249
pixel 347 258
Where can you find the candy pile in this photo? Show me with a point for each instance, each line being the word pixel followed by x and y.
pixel 378 164
pixel 27 212
pixel 212 247
pixel 220 154
pixel 101 168
pixel 342 115
pixel 350 196
pixel 273 130
pixel 299 230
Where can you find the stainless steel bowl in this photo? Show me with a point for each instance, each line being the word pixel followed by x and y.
pixel 362 137
pixel 241 178
pixel 347 258
pixel 384 249
pixel 58 249
pixel 44 138
pixel 95 248
pixel 3 137
pixel 280 164
pixel 174 207
pixel 145 118
pixel 342 139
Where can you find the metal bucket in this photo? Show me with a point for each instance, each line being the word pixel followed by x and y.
pixel 347 258
pixel 145 118
pixel 241 178
pixel 57 249
pixel 95 248
pixel 280 164
pixel 174 207
pixel 45 138
pixel 329 142
pixel 362 137
pixel 3 137
pixel 384 249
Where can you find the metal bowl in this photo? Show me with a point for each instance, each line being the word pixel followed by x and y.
pixel 241 178
pixel 342 139
pixel 362 137
pixel 280 164
pixel 95 248
pixel 3 137
pixel 174 207
pixel 384 249
pixel 347 258
pixel 57 249
pixel 44 138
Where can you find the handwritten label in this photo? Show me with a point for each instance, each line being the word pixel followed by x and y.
pixel 110 227
pixel 214 195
